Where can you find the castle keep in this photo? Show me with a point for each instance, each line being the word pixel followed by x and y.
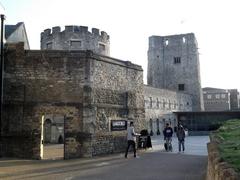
pixel 173 63
pixel 76 38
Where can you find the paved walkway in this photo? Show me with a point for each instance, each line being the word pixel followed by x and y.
pixel 53 151
pixel 194 145
pixel 152 165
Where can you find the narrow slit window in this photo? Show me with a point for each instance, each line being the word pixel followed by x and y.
pixel 166 42
pixel 184 40
pixel 177 60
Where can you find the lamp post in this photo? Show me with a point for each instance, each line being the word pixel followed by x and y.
pixel 1 80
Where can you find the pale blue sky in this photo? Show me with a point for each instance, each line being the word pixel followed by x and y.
pixel 130 22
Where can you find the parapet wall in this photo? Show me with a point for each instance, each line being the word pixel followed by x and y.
pixel 76 38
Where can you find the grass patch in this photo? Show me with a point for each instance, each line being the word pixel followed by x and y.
pixel 229 133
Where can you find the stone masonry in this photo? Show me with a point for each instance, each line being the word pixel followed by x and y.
pixel 73 77
pixel 76 38
pixel 173 63
pixel 89 90
pixel 160 105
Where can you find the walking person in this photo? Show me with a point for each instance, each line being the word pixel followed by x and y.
pixel 131 139
pixel 168 132
pixel 181 138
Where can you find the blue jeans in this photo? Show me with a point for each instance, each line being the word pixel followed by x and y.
pixel 181 144
pixel 169 143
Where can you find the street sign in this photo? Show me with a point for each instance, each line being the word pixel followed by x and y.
pixel 118 125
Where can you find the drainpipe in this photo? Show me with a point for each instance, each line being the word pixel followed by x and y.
pixel 1 81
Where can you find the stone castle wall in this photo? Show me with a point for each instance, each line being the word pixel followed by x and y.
pixel 174 60
pixel 159 105
pixel 76 38
pixel 87 89
pixel 118 95
pixel 36 84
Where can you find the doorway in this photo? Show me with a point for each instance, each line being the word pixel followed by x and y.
pixel 52 137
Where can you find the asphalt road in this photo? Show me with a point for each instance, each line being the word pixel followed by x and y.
pixel 152 165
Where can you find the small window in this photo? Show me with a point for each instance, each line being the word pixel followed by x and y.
pixel 209 96
pixel 75 44
pixel 151 124
pixel 49 45
pixel 157 122
pixel 223 96
pixel 150 102
pixel 102 47
pixel 157 103
pixel 217 96
pixel 181 87
pixel 177 60
pixel 157 56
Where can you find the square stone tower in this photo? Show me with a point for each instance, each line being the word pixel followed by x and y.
pixel 173 63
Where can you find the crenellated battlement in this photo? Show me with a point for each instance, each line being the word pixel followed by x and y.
pixel 76 38
pixel 172 40
pixel 74 29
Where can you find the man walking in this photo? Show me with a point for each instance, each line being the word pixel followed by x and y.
pixel 131 139
pixel 168 132
pixel 181 137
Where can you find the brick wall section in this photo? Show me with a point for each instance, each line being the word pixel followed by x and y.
pixel 217 168
pixel 109 143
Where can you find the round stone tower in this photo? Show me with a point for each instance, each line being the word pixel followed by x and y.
pixel 76 38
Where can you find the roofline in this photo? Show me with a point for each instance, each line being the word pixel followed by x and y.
pixel 24 28
pixel 203 112
pixel 26 34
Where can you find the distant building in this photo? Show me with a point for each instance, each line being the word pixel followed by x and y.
pixel 16 33
pixel 216 99
pixel 234 99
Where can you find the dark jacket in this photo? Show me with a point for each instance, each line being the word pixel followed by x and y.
pixel 181 134
pixel 168 132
